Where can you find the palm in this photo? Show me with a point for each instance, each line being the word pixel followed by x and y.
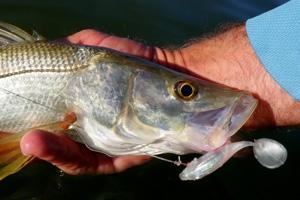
pixel 72 157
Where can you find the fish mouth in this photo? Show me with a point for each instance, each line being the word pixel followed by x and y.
pixel 240 113
pixel 207 131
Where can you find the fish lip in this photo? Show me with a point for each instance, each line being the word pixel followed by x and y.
pixel 241 111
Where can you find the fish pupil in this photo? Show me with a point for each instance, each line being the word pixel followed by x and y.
pixel 186 90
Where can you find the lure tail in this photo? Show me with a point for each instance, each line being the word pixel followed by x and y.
pixel 11 157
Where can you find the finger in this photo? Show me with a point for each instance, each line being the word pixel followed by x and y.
pixel 124 162
pixel 61 151
pixel 96 38
pixel 87 37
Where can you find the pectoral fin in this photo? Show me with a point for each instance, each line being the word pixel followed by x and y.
pixel 11 157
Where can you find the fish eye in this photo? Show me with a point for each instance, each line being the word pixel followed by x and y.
pixel 185 90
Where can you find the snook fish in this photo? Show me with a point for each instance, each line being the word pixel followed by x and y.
pixel 119 105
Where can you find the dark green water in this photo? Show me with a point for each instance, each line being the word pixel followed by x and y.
pixel 154 22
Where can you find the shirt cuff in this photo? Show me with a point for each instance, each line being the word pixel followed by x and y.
pixel 275 38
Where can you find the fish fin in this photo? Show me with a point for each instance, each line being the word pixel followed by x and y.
pixel 69 129
pixel 12 34
pixel 11 158
pixel 37 36
pixel 62 126
pixel 74 135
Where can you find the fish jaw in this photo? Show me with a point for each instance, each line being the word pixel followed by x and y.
pixel 207 131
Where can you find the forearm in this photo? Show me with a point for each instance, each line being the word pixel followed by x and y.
pixel 229 59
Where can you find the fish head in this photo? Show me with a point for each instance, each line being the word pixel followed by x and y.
pixel 124 102
pixel 197 114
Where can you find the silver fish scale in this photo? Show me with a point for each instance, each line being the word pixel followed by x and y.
pixel 32 99
pixel 32 75
pixel 41 56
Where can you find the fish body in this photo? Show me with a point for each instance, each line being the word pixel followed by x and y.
pixel 123 105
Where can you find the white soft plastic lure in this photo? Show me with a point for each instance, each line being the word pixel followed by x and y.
pixel 120 105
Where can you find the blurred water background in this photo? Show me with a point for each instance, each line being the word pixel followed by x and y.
pixel 154 22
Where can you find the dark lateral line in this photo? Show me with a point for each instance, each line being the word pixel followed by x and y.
pixel 41 70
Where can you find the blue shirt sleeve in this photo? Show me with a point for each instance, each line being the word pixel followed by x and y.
pixel 275 38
